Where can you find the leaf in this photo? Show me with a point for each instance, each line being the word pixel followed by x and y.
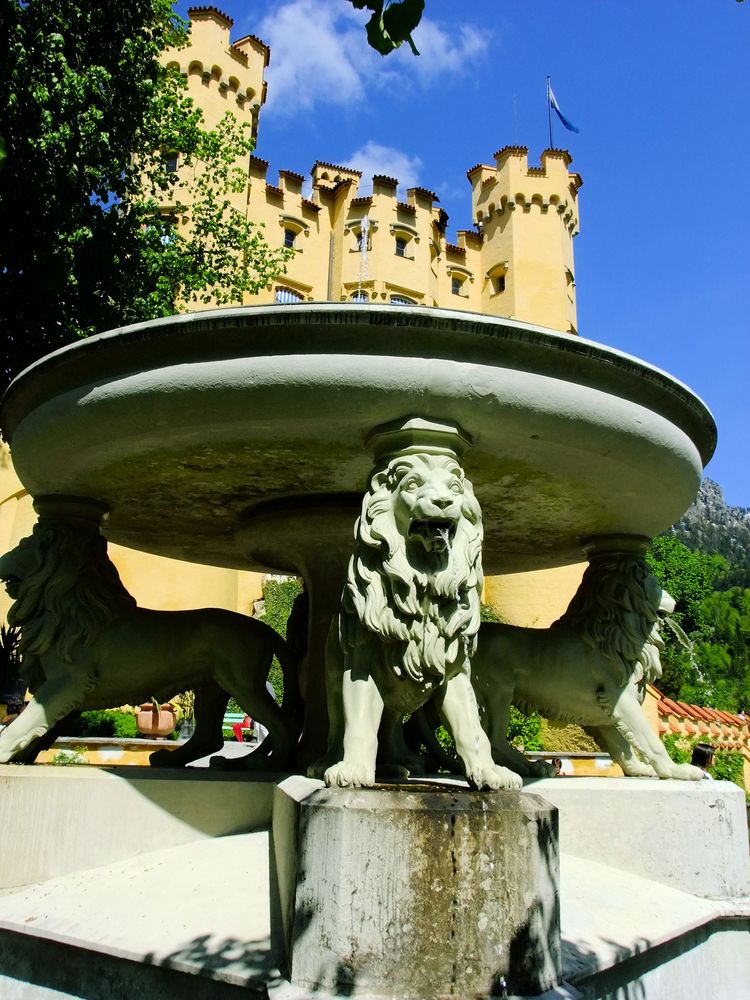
pixel 401 18
pixel 389 28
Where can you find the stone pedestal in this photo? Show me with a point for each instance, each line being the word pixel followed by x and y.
pixel 418 892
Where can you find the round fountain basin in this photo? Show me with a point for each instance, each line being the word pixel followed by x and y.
pixel 183 426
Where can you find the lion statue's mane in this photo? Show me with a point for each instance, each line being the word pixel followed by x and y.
pixel 616 611
pixel 425 606
pixel 72 592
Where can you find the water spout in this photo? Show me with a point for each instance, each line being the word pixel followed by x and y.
pixel 364 235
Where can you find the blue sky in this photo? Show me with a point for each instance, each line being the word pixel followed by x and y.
pixel 658 89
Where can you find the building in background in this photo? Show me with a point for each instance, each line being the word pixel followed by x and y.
pixel 514 259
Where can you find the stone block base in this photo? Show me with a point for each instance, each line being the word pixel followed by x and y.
pixel 420 892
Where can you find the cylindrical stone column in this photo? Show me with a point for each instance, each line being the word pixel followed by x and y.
pixel 414 892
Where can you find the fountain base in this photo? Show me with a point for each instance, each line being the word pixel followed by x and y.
pixel 181 896
pixel 419 891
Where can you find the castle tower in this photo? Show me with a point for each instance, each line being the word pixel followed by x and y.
pixel 221 75
pixel 528 217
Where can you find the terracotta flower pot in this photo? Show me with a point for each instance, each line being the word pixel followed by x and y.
pixel 155 722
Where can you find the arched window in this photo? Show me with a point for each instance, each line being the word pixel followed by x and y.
pixel 401 300
pixel 287 295
pixel 358 296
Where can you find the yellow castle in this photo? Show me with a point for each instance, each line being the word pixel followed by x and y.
pixel 515 260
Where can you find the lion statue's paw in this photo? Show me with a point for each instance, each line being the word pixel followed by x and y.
pixel 541 769
pixel 687 772
pixel 495 778
pixel 637 769
pixel 165 758
pixel 345 775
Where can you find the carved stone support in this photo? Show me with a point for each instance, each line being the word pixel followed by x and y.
pixel 86 645
pixel 410 609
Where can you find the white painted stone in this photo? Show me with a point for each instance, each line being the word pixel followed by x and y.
pixel 56 820
pixel 688 835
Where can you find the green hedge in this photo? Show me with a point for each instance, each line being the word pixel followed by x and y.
pixel 106 722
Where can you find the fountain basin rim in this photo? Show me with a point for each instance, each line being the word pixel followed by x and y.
pixel 216 333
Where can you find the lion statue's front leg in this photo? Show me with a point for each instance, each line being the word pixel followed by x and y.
pixel 461 715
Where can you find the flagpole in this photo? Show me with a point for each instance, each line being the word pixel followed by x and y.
pixel 549 116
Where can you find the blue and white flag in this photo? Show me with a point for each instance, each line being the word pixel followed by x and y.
pixel 556 108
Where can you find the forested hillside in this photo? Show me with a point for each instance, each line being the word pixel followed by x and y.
pixel 704 562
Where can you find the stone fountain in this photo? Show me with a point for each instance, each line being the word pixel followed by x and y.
pixel 246 438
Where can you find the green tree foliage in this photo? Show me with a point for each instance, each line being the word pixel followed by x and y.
pixel 278 598
pixel 716 672
pixel 107 722
pixel 87 114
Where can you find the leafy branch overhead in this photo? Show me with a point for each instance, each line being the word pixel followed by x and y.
pixel 391 23
pixel 88 113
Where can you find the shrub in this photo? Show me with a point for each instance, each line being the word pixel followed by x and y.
pixel 678 747
pixel 106 722
pixel 278 598
pixel 729 767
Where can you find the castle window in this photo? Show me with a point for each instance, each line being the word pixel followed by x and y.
pixel 496 276
pixel 400 246
pixel 170 163
pixel 456 286
pixel 401 300
pixel 287 295
pixel 359 296
pixel 289 237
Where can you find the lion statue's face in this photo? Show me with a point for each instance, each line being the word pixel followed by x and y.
pixel 64 587
pixel 17 565
pixel 428 500
pixel 415 578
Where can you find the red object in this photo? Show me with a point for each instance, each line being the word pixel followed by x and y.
pixel 237 727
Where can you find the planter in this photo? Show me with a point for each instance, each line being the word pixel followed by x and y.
pixel 155 722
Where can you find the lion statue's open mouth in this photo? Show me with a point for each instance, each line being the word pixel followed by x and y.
pixel 436 535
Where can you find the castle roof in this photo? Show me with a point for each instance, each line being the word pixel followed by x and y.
pixel 511 151
pixel 258 43
pixel 478 166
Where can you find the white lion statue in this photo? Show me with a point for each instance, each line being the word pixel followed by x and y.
pixel 86 645
pixel 408 622
pixel 590 667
